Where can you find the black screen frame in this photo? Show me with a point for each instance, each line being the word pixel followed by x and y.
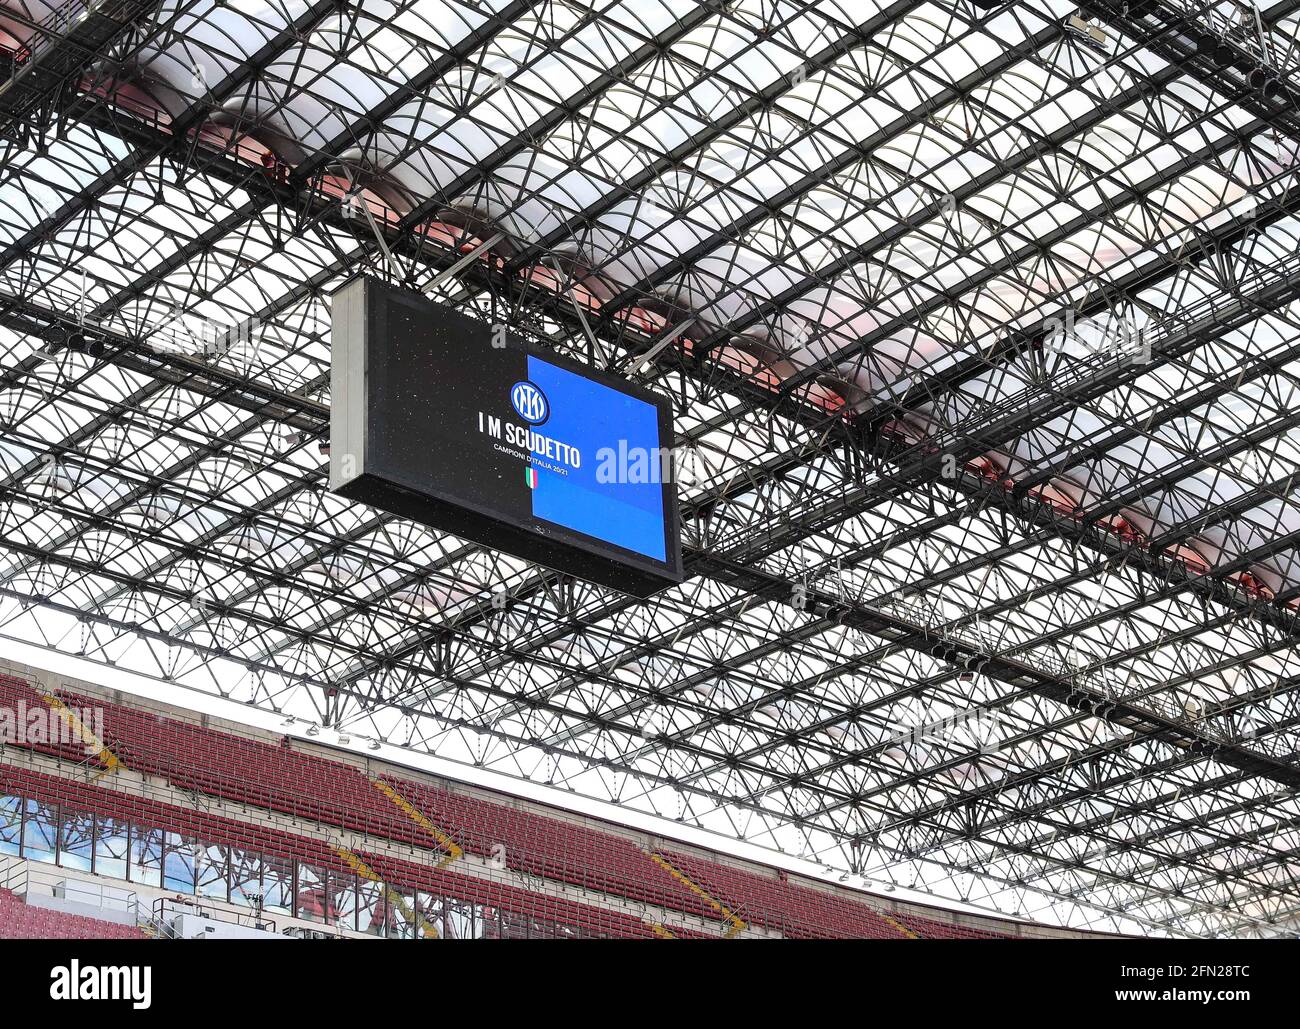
pixel 363 313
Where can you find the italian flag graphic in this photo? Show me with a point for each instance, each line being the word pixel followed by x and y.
pixel 530 477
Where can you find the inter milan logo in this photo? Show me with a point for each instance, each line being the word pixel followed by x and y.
pixel 529 402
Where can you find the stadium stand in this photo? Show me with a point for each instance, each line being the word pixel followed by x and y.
pixel 302 785
pixel 199 814
pixel 20 921
pixel 156 862
pixel 930 929
pixel 793 910
pixel 549 848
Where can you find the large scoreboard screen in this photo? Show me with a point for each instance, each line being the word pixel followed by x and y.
pixel 462 426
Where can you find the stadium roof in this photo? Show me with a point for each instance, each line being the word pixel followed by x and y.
pixel 981 326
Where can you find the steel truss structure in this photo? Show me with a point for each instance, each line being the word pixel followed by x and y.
pixel 981 322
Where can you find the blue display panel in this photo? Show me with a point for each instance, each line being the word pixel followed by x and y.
pixel 620 435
